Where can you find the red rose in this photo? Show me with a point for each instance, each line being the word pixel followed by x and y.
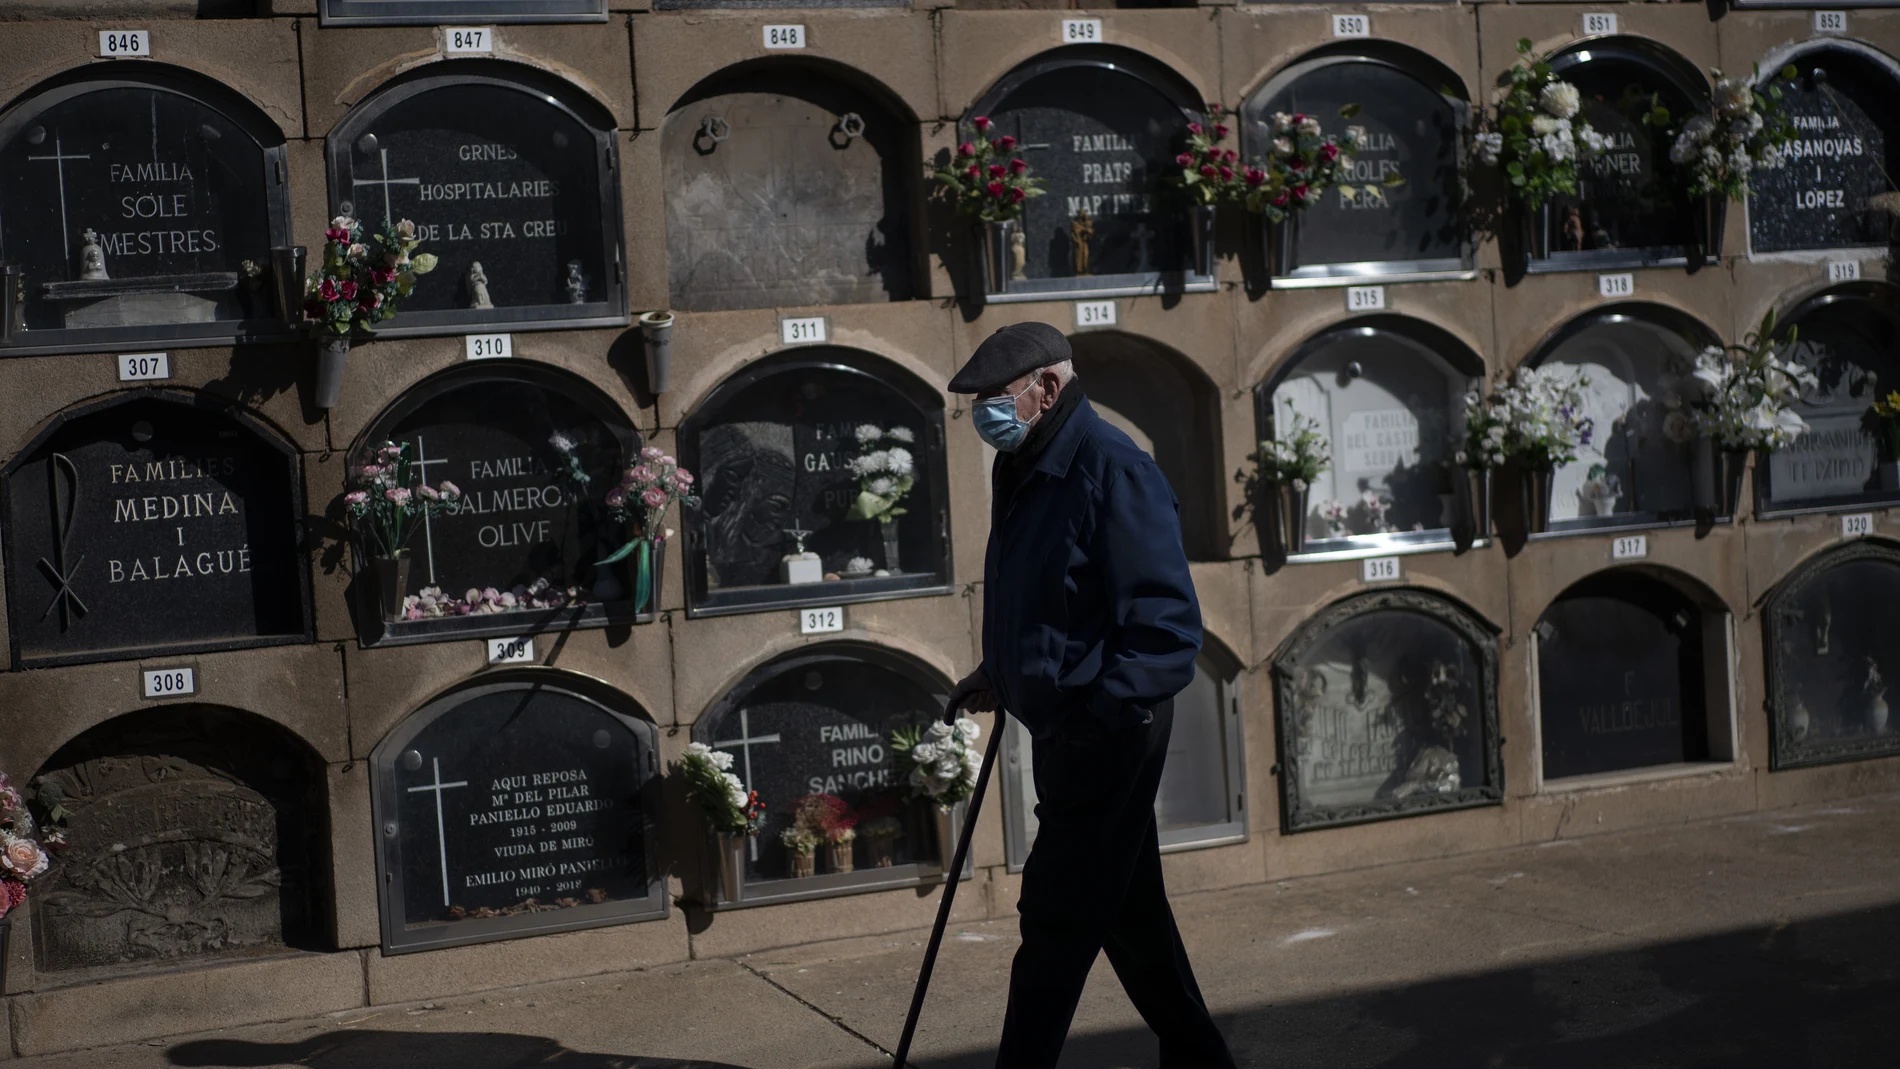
pixel 1208 171
pixel 1018 194
pixel 1255 176
pixel 1194 128
pixel 327 290
pixel 369 298
pixel 1213 155
pixel 995 189
pixel 1299 117
pixel 1280 201
pixel 981 123
pixel 1226 174
pixel 1296 164
pixel 313 309
pixel 1185 159
pixel 996 170
pixel 966 149
pixel 382 276
pixel 1017 166
pixel 974 172
pixel 1220 130
pixel 1230 155
pixel 349 290
pixel 1006 142
pixel 1300 191
pixel 1329 152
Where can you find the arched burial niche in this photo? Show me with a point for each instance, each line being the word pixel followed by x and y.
pixel 1413 115
pixel 1832 657
pixel 1100 126
pixel 139 204
pixel 1628 211
pixel 1387 706
pixel 1202 800
pixel 776 447
pixel 787 184
pixel 1632 672
pixel 1388 394
pixel 1172 410
pixel 511 176
pixel 1639 465
pixel 153 522
pixel 820 721
pixel 525 804
pixel 534 450
pixel 195 833
pixel 1842 156
pixel 1849 336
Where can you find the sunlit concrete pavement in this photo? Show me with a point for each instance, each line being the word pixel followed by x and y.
pixel 1766 940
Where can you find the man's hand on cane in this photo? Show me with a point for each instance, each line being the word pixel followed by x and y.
pixel 973 693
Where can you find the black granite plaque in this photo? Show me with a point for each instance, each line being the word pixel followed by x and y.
pixel 821 723
pixel 155 524
pixel 1838 160
pixel 1626 204
pixel 534 454
pixel 1620 680
pixel 146 204
pixel 1832 655
pixel 515 808
pixel 1411 129
pixel 437 12
pixel 511 189
pixel 1848 339
pixel 785 189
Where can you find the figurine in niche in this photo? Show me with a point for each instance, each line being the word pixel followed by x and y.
pixel 800 566
pixel 1081 232
pixel 1600 238
pixel 92 257
pixel 1573 229
pixel 478 286
pixel 1018 256
pixel 1877 687
pixel 576 285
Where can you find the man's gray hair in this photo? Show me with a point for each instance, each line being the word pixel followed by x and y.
pixel 1065 371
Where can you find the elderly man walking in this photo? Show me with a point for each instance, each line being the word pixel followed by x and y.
pixel 1090 628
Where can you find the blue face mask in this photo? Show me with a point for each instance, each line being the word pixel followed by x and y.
pixel 995 421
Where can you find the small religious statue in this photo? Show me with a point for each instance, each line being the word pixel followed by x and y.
pixel 478 286
pixel 1877 687
pixel 92 257
pixel 576 285
pixel 1081 232
pixel 1018 255
pixel 800 566
pixel 1573 229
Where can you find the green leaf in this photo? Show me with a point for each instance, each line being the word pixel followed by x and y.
pixel 622 553
pixel 1394 180
pixel 1349 111
pixel 1523 45
pixel 423 263
pixel 643 576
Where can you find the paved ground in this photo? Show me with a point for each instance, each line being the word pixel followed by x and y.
pixel 1767 940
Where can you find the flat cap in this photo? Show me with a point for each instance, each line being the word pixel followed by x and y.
pixel 1010 353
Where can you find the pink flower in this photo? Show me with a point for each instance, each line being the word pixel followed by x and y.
pixel 348 289
pixel 981 123
pixel 641 473
pixel 1230 155
pixel 968 148
pixel 683 477
pixel 1194 128
pixel 428 493
pixel 356 497
pixel 1018 166
pixel 1185 159
pixel 12 894
pixel 397 495
pixel 23 858
pixel 617 497
pixel 369 471
pixel 327 290
pixel 1208 170
pixel 1329 152
pixel 449 489
pixel 1220 130
pixel 973 173
pixel 653 497
pixel 1226 174
pixel 1006 142
pixel 653 452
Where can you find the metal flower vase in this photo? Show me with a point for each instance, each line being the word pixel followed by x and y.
pixel 332 352
pixel 1729 466
pixel 888 529
pixel 1201 240
pixel 949 823
pixel 730 865
pixel 994 239
pixel 391 578
pixel 1289 518
pixel 1536 500
pixel 1477 491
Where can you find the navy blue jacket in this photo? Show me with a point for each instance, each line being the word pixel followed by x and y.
pixel 1087 601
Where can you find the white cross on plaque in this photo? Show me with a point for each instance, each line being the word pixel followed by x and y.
pixel 59 159
pixel 385 181
pixel 441 837
pixel 744 742
pixel 422 463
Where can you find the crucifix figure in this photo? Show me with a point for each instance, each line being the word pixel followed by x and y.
pixel 422 463
pixel 1081 232
pixel 385 181
pixel 59 159
pixel 799 535
pixel 441 837
pixel 745 742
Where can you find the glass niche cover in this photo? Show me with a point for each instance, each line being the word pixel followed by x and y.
pixel 822 479
pixel 1841 158
pixel 1639 465
pixel 1387 706
pixel 139 209
pixel 1850 339
pixel 1832 657
pixel 1390 405
pixel 821 723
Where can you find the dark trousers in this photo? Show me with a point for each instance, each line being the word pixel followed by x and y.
pixel 1093 883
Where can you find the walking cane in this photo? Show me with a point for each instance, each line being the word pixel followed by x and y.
pixel 951 879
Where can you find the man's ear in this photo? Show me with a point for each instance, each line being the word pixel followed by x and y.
pixel 1051 389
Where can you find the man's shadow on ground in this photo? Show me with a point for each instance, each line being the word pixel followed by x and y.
pixel 374 1049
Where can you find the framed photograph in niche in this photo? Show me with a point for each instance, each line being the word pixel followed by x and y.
pixel 1639 467
pixel 822 481
pixel 1849 336
pixel 524 806
pixel 1101 126
pixel 1388 394
pixel 1203 795
pixel 535 451
pixel 1843 155
pixel 512 179
pixel 1629 211
pixel 153 522
pixel 1832 654
pixel 820 721
pixel 139 205
pixel 1387 707
pixel 441 12
pixel 1412 120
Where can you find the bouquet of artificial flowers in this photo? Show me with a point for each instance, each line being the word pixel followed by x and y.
pixel 1296 454
pixel 941 759
pixel 987 182
pixel 1748 132
pixel 22 858
pixel 1751 391
pixel 886 472
pixel 388 498
pixel 363 277
pixel 1535 135
pixel 722 796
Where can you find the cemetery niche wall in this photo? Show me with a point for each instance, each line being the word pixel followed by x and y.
pixel 196 833
pixel 511 177
pixel 525 805
pixel 1628 211
pixel 1640 465
pixel 139 204
pixel 535 451
pixel 438 12
pixel 822 481
pixel 1387 706
pixel 1202 800
pixel 1832 652
pixel 153 522
pixel 1100 126
pixel 1171 409
pixel 819 721
pixel 1388 394
pixel 1841 158
pixel 1850 337
pixel 1629 670
pixel 788 185
pixel 1413 116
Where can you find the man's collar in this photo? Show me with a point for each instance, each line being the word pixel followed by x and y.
pixel 1056 456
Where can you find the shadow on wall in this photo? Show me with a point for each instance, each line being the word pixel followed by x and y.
pixel 415 1050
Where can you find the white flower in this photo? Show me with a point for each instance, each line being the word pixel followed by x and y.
pixel 1282 147
pixel 1558 147
pixel 967 730
pixel 948 767
pixel 939 730
pixel 1590 141
pixel 1489 145
pixel 1733 96
pixel 1560 99
pixel 1738 160
pixel 900 434
pixel 866 434
pixel 693 749
pixel 869 463
pixel 1542 125
pixel 924 753
pixel 882 485
pixel 898 459
pixel 561 442
pixel 859 564
pixel 1310 127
